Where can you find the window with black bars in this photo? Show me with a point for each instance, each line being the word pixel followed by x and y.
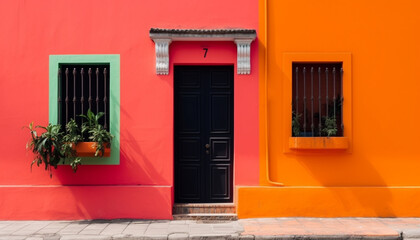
pixel 82 87
pixel 317 99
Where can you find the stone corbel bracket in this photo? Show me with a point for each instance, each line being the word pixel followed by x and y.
pixel 242 38
pixel 162 55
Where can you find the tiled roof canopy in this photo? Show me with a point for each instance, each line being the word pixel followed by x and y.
pixel 203 31
pixel 164 37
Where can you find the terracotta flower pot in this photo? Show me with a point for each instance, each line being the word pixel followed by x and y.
pixel 88 149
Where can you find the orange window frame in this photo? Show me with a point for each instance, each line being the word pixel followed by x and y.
pixel 317 143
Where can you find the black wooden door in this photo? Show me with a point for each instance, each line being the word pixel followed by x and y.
pixel 203 139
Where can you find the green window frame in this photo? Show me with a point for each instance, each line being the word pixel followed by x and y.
pixel 114 98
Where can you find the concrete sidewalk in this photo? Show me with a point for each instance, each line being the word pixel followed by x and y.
pixel 257 228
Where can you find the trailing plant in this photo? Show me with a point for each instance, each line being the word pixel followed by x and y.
pixel 330 128
pixel 70 140
pixel 46 146
pixel 97 133
pixel 296 124
pixel 54 146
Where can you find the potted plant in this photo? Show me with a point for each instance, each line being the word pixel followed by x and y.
pixel 57 146
pixel 330 128
pixel 100 138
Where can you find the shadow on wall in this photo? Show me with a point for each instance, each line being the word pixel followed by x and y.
pixel 121 194
pixel 135 167
pixel 139 164
pixel 364 189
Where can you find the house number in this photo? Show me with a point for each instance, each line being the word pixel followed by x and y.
pixel 205 52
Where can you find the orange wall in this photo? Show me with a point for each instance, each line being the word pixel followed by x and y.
pixel 380 45
pixel 385 50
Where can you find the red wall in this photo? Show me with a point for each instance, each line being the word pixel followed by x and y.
pixel 33 30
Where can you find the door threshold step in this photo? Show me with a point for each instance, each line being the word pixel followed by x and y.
pixel 206 216
pixel 205 204
pixel 204 208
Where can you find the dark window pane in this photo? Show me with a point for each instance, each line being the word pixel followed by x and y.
pixel 316 99
pixel 82 95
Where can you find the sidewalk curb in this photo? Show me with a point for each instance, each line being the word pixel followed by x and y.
pixel 252 229
pixel 180 236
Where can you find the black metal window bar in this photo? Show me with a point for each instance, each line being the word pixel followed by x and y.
pixel 317 99
pixel 82 87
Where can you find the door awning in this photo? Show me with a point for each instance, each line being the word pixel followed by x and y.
pixel 241 37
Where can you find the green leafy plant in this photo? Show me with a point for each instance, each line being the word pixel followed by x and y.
pixel 46 146
pixel 92 120
pixel 97 133
pixel 70 140
pixel 330 128
pixel 56 145
pixel 296 124
pixel 53 146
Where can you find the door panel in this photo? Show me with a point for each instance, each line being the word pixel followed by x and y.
pixel 203 133
pixel 220 181
pixel 190 187
pixel 189 111
pixel 220 149
pixel 220 108
pixel 189 149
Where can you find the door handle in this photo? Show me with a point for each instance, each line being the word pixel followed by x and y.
pixel 207 148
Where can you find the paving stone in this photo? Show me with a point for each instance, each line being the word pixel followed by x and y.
pixel 73 228
pixel 14 227
pixel 155 237
pixel 230 227
pixel 156 232
pixel 141 222
pixel 52 237
pixel 247 237
pixel 178 236
pixel 135 229
pixel 178 228
pixel 53 228
pixel 412 233
pixel 94 229
pixel 12 237
pixel 127 237
pixel 85 237
pixel 159 225
pixel 271 237
pixel 49 230
pixel 121 237
pixel 159 221
pixel 31 228
pixel 209 237
pixel 5 224
pixel 201 226
pixel 201 230
pixel 267 220
pixel 114 229
pixel 34 238
pixel 177 222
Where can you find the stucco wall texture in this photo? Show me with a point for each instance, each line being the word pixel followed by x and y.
pixel 377 175
pixel 141 186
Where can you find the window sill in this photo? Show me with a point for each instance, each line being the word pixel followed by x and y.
pixel 303 143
